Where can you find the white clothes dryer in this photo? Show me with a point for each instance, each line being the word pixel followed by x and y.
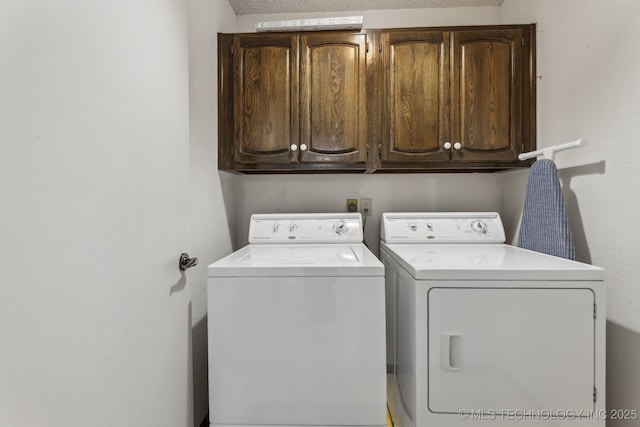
pixel 483 333
pixel 296 326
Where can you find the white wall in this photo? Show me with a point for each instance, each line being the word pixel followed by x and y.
pixel 389 192
pixel 589 63
pixel 212 194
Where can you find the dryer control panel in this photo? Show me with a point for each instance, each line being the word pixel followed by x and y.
pixel 442 227
pixel 306 228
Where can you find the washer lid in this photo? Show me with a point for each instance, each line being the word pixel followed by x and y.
pixel 298 260
pixel 486 262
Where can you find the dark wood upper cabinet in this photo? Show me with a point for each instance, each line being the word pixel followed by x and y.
pixel 416 99
pixel 299 101
pixel 457 98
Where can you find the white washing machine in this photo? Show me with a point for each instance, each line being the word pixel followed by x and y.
pixel 484 333
pixel 297 326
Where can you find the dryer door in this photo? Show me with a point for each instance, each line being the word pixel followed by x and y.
pixel 498 349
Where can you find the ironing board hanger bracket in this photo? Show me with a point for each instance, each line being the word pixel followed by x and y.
pixel 549 152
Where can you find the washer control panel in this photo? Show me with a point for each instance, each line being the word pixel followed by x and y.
pixel 306 228
pixel 442 227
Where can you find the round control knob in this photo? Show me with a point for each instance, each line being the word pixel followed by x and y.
pixel 413 227
pixel 479 227
pixel 340 227
pixel 276 227
pixel 303 147
pixel 447 145
pixel 293 227
pixel 294 147
pixel 457 146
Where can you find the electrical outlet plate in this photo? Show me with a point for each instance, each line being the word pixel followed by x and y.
pixel 365 207
pixel 352 205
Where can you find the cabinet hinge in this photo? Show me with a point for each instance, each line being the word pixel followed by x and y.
pixel 595 394
pixel 380 48
pixel 380 151
pixel 367 45
pixel 522 41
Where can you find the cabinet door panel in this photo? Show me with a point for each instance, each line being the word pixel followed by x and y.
pixel 415 96
pixel 333 98
pixel 487 96
pixel 265 91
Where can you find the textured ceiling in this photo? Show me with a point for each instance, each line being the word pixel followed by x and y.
pixel 248 7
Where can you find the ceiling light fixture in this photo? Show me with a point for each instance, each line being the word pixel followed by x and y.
pixel 341 23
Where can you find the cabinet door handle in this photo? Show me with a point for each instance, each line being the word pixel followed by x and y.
pixel 294 147
pixel 457 146
pixel 447 145
pixel 303 147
